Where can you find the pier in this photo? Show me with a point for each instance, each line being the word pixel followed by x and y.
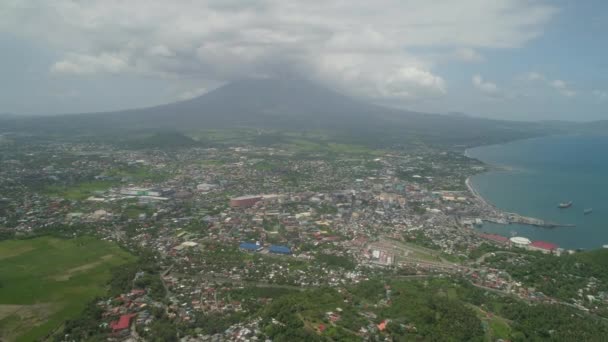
pixel 518 219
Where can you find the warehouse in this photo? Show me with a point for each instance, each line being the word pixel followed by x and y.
pixel 545 247
pixel 244 201
pixel 250 247
pixel 280 249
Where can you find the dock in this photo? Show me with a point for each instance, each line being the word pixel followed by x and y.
pixel 513 218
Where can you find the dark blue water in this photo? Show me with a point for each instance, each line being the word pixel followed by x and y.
pixel 543 172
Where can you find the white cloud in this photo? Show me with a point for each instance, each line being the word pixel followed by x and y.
pixel 398 84
pixel 567 92
pixel 401 76
pixel 80 64
pixel 160 50
pixel 190 94
pixel 363 46
pixel 486 87
pixel 468 55
pixel 560 86
pixel 534 76
pixel 600 94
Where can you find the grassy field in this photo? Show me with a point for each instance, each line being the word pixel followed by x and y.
pixel 495 327
pixel 312 145
pixel 80 191
pixel 47 280
pixel 84 190
pixel 303 142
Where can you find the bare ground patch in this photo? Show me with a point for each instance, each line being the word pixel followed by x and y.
pixel 20 318
pixel 7 310
pixel 14 252
pixel 67 274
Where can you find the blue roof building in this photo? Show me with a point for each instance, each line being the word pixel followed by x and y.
pixel 279 249
pixel 252 247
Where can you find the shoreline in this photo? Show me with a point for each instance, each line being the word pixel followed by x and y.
pixel 476 194
pixel 499 216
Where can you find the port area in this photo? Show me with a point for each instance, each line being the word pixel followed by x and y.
pixel 490 213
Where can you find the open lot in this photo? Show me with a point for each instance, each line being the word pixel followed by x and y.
pixel 46 280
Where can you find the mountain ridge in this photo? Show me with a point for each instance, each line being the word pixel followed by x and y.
pixel 287 105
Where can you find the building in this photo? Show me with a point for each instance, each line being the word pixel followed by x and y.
pixel 123 323
pixel 185 245
pixel 495 238
pixel 519 241
pixel 545 247
pixel 280 249
pixel 250 247
pixel 244 201
pixel 382 257
pixel 205 187
pixel 135 191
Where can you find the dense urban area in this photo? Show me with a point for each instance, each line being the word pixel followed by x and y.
pixel 299 238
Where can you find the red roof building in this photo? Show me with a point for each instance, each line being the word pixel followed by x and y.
pixel 244 201
pixel 543 246
pixel 495 238
pixel 382 325
pixel 123 323
pixel 138 292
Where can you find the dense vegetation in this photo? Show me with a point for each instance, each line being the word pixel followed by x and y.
pixel 559 277
pixel 161 140
pixel 433 310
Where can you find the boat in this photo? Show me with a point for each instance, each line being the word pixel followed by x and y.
pixel 565 205
pixel 588 211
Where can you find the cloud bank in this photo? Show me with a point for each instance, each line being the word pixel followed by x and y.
pixel 363 47
pixel 486 87
pixel 561 86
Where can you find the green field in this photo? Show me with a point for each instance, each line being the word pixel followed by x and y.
pixel 79 191
pixel 46 280
pixel 84 190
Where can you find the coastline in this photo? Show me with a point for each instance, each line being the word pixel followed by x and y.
pixel 555 170
pixel 476 194
pixel 496 215
pixel 490 167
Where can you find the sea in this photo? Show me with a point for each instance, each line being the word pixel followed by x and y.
pixel 531 177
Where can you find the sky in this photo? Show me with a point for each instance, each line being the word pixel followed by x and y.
pixel 503 59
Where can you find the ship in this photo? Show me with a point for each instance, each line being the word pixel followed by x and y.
pixel 588 211
pixel 565 205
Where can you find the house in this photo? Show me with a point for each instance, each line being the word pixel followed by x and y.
pixel 123 323
pixel 382 325
pixel 280 249
pixel 250 247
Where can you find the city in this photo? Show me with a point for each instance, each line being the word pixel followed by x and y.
pixel 229 227
pixel 317 171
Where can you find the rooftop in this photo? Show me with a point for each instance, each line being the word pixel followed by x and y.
pixel 544 245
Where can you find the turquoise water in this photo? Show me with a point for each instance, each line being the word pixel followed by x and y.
pixel 543 172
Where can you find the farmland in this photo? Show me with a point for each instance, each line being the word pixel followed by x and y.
pixel 46 280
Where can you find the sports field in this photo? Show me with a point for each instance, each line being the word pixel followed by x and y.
pixel 46 280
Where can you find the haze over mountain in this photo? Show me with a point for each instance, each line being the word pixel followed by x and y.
pixel 285 104
pixel 511 59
